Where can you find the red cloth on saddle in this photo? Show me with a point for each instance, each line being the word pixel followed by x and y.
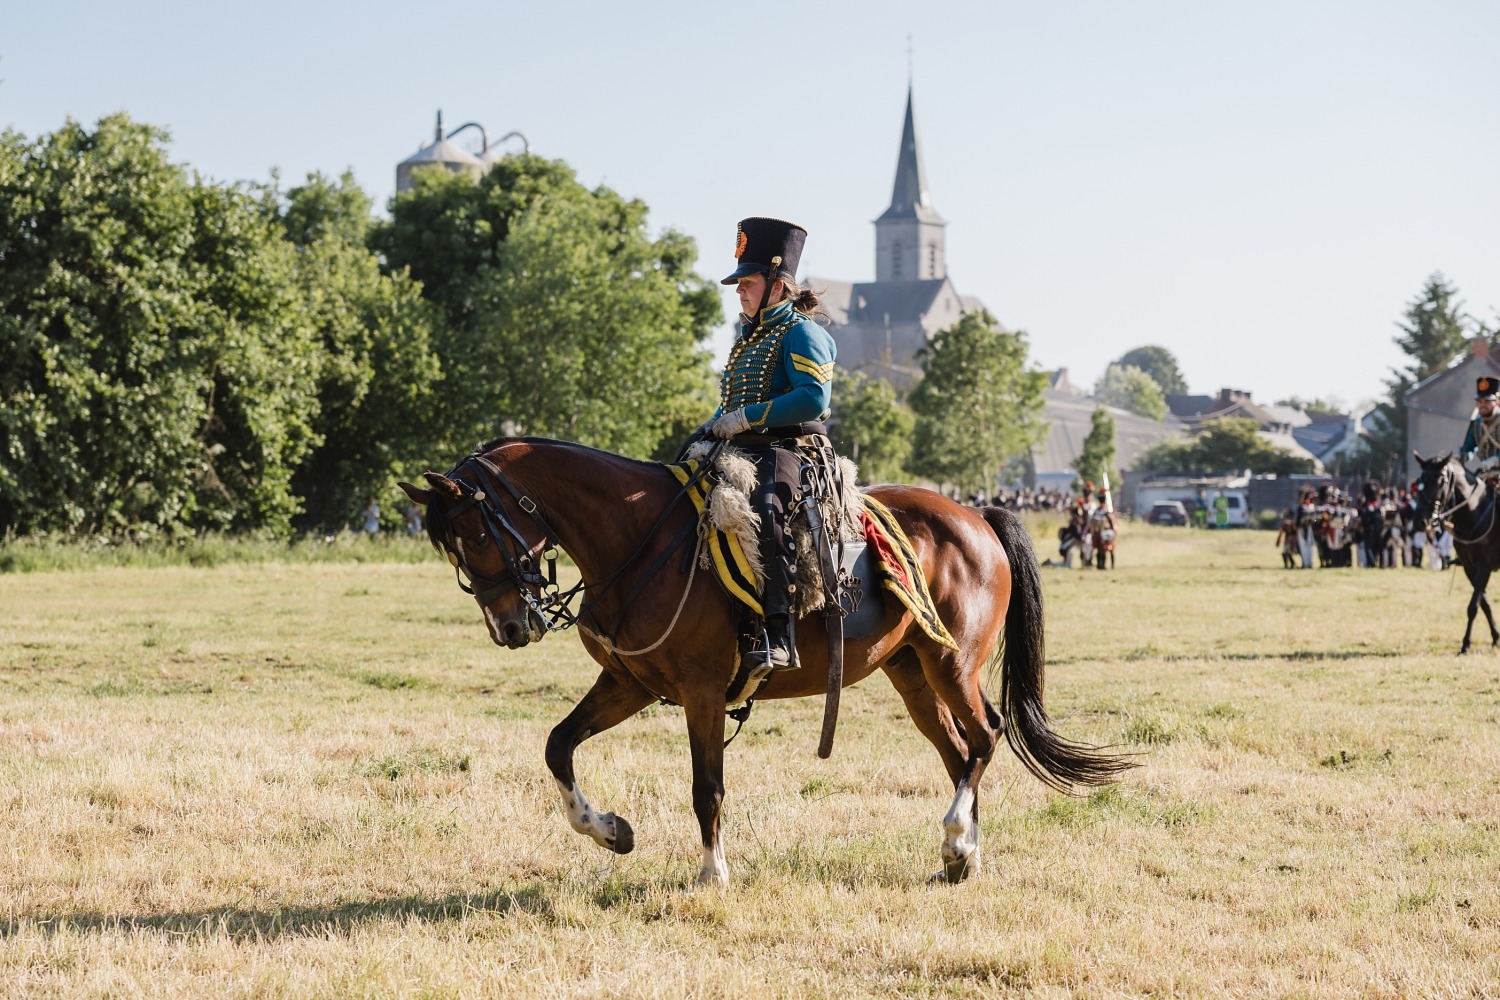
pixel 880 543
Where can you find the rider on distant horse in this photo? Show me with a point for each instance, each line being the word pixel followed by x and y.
pixel 1482 440
pixel 776 387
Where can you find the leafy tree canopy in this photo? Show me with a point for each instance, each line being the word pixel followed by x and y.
pixel 1433 333
pixel 872 426
pixel 1229 444
pixel 158 368
pixel 1331 405
pixel 1130 388
pixel 1160 364
pixel 1098 455
pixel 375 335
pixel 560 315
pixel 977 404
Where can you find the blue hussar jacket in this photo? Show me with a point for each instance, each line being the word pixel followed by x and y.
pixel 1482 439
pixel 781 373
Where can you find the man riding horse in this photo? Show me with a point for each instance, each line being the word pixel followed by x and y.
pixel 775 389
pixel 1482 439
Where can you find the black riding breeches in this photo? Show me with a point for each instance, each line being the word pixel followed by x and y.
pixel 778 475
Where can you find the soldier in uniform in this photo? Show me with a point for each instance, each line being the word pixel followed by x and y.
pixel 776 387
pixel 1372 526
pixel 1482 441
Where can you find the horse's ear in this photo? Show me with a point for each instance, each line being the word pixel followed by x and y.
pixel 443 485
pixel 1418 456
pixel 418 495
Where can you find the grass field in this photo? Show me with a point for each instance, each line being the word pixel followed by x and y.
pixel 321 779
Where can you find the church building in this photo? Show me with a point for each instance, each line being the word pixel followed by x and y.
pixel 880 325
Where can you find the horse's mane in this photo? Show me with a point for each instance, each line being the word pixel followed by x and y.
pixel 494 444
pixel 438 530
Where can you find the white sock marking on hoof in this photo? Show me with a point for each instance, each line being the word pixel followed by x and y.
pixel 961 843
pixel 600 827
pixel 715 869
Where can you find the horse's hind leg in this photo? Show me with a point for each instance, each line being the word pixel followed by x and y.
pixel 936 722
pixel 932 717
pixel 955 685
pixel 608 703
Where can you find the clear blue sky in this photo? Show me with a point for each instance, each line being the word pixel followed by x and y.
pixel 1259 187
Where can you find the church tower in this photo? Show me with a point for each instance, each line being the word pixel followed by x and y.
pixel 909 242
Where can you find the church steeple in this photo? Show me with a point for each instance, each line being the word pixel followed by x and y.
pixel 909 244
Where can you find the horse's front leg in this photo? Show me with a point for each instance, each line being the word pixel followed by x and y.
pixel 611 701
pixel 1484 605
pixel 705 722
pixel 1469 628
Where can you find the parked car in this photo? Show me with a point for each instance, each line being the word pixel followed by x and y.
pixel 1170 512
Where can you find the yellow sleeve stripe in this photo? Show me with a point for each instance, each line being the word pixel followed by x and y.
pixel 802 362
pixel 820 372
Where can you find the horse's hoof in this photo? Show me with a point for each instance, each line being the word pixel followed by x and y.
pixel 624 841
pixel 954 871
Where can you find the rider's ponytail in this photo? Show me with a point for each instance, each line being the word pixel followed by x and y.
pixel 804 300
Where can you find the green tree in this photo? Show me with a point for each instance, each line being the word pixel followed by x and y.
pixel 1130 388
pixel 1229 444
pixel 156 368
pixel 588 322
pixel 1160 364
pixel 1435 332
pixel 872 426
pixel 1315 405
pixel 977 404
pixel 559 315
pixel 1098 455
pixel 378 375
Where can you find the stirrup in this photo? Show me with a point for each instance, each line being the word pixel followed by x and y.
pixel 764 658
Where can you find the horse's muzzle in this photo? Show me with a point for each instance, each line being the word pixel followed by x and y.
pixel 512 635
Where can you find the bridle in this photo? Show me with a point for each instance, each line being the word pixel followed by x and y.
pixel 1448 490
pixel 546 601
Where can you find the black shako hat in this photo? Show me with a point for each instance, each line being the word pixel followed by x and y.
pixel 771 247
pixel 1487 387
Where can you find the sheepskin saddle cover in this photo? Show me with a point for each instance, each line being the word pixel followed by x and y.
pixel 728 510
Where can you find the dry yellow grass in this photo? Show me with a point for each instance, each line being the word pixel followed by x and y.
pixel 322 780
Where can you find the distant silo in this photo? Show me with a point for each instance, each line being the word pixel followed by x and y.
pixel 440 152
pixel 493 154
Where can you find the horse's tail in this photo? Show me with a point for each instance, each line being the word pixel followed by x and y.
pixel 1057 762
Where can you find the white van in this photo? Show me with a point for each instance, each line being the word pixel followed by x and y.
pixel 1237 507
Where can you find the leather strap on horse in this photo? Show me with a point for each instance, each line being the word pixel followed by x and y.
pixel 833 617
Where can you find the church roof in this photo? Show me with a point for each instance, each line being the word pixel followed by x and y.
pixel 875 302
pixel 909 197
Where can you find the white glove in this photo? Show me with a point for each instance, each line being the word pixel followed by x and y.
pixel 1488 463
pixel 730 424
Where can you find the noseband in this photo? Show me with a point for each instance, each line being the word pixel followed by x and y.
pixel 523 558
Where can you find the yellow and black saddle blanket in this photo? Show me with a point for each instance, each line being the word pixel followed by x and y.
pixel 900 572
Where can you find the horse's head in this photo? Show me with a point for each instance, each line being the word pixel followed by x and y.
pixel 1439 487
pixel 494 540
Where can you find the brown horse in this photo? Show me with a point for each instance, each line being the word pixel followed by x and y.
pixel 631 533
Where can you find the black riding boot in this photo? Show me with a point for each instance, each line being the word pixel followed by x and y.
pixel 776 602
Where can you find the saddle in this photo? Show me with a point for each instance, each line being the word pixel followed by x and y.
pixel 865 546
pixel 829 504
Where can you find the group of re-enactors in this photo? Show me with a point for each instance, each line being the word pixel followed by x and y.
pixel 1329 528
pixel 1091 530
pixel 1381 525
